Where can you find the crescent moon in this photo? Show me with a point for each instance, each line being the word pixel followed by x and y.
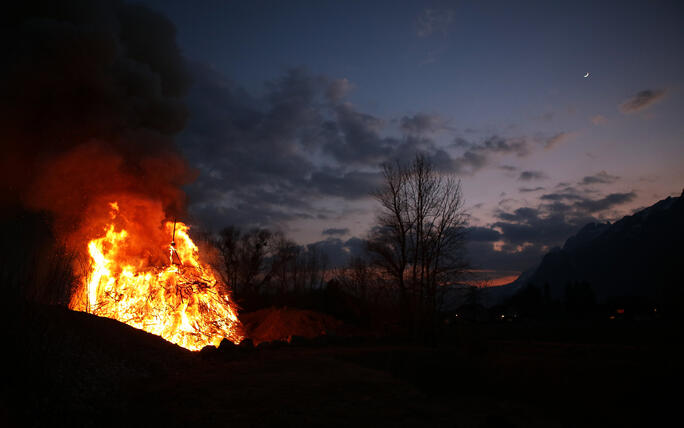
pixel 586 75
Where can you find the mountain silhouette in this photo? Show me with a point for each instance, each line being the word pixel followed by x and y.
pixel 641 255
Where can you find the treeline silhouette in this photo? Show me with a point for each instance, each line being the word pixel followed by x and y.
pixel 579 301
pixel 414 249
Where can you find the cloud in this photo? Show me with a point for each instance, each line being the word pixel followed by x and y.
pixel 478 155
pixel 495 144
pixel 350 185
pixel 338 252
pixel 557 139
pixel 482 234
pixel 581 203
pixel 519 238
pixel 334 231
pixel 561 196
pixel 270 158
pixel 530 189
pixel 433 21
pixel 605 203
pixel 532 175
pixel 599 120
pixel 420 123
pixel 599 178
pixel 642 100
pixel 265 160
pixel 523 235
pixel 484 254
pixel 338 89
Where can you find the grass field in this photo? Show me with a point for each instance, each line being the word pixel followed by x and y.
pixel 82 370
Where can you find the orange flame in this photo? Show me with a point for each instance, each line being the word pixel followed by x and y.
pixel 184 302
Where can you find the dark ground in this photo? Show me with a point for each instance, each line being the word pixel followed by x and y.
pixel 68 368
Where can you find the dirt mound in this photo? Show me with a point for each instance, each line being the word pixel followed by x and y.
pixel 281 324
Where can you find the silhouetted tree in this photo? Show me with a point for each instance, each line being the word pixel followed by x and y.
pixel 315 266
pixel 419 237
pixel 247 258
pixel 262 267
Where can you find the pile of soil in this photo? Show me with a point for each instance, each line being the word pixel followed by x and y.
pixel 282 324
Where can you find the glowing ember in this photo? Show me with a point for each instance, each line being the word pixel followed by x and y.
pixel 182 301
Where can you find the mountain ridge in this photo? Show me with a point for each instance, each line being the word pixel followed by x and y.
pixel 635 256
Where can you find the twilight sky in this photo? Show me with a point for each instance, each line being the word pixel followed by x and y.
pixel 294 106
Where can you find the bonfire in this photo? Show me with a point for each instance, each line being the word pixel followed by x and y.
pixel 177 296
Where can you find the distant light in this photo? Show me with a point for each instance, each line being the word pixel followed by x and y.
pixel 586 75
pixel 620 311
pixel 503 316
pixel 456 315
pixel 612 317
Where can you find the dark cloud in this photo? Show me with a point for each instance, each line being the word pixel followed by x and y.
pixel 561 196
pixel 599 178
pixel 478 155
pixel 531 175
pixel 482 234
pixel 420 123
pixel 605 203
pixel 536 227
pixel 354 137
pixel 495 144
pixel 642 100
pixel 525 234
pixel 252 152
pixel 523 214
pixel 530 189
pixel 470 162
pixel 265 160
pixel 338 252
pixel 334 231
pixel 352 185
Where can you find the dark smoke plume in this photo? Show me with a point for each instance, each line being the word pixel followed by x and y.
pixel 91 96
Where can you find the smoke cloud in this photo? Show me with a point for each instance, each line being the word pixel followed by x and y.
pixel 92 94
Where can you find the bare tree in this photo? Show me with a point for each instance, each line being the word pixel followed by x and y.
pixel 286 266
pixel 315 265
pixel 389 239
pixel 356 278
pixel 247 258
pixel 419 237
pixel 257 263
